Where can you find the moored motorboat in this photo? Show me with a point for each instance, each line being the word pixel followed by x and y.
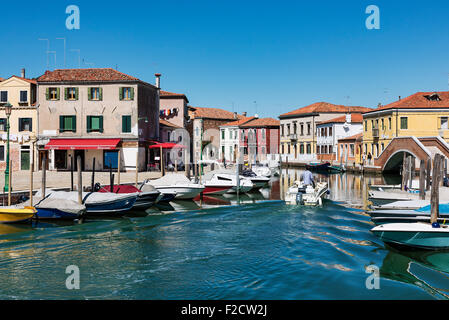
pixel 298 194
pixel 258 181
pixel 56 209
pixel 230 178
pixel 417 235
pixel 145 198
pixel 16 214
pixel 177 184
pixel 318 166
pixel 97 203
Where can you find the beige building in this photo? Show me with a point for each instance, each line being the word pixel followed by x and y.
pixel 298 136
pixel 96 113
pixel 20 92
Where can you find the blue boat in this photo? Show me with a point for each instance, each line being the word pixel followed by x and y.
pixel 56 209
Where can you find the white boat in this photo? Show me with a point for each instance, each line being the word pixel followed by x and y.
pixel 379 198
pixel 258 181
pixel 417 235
pixel 229 177
pixel 298 194
pixel 178 184
pixel 262 171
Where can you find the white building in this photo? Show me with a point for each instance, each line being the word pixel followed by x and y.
pixel 230 136
pixel 330 131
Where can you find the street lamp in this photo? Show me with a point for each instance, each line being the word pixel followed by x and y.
pixel 8 110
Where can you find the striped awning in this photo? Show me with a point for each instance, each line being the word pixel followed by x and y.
pixel 82 144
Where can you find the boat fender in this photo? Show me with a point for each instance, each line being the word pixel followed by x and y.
pixel 435 225
pixel 328 192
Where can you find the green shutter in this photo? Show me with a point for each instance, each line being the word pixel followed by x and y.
pixel 58 91
pixel 76 93
pixel 61 124
pixel 89 94
pixel 73 123
pixel 66 93
pixel 47 93
pixel 132 93
pixel 120 93
pixel 20 124
pixel 101 123
pixel 31 124
pixel 123 123
pixel 101 93
pixel 89 124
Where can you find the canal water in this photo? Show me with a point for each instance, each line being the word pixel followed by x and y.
pixel 254 247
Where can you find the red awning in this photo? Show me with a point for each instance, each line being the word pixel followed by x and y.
pixel 167 145
pixel 82 144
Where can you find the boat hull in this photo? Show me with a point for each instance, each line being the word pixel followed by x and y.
pixel 181 193
pixel 416 235
pixel 55 214
pixel 322 167
pixel 16 215
pixel 119 206
pixel 146 200
pixel 217 190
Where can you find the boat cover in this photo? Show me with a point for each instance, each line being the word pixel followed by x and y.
pixel 88 197
pixel 170 179
pixel 61 204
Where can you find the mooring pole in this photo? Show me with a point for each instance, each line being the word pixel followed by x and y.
pixel 93 175
pixel 80 180
pixel 435 194
pixel 428 173
pixel 71 172
pixel 422 180
pixel 44 175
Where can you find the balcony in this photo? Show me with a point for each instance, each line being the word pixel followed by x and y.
pixel 376 133
pixel 293 137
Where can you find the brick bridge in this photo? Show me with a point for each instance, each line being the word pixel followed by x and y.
pixel 420 148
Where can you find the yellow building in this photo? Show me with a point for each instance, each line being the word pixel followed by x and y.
pixel 423 114
pixel 21 93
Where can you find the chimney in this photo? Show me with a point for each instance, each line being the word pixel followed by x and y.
pixel 235 115
pixel 256 116
pixel 244 114
pixel 399 98
pixel 22 73
pixel 348 118
pixel 158 80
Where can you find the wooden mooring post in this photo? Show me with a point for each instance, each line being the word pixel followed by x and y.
pixel 119 166
pixel 72 167
pixel 422 180
pixel 92 184
pixel 404 172
pixel 435 194
pixel 428 173
pixel 9 181
pixel 412 171
pixel 80 180
pixel 44 175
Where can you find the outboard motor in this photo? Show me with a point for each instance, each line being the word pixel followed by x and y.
pixel 299 195
pixel 97 187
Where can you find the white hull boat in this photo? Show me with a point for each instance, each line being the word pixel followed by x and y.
pixel 298 194
pixel 229 177
pixel 177 184
pixel 417 235
pixel 262 171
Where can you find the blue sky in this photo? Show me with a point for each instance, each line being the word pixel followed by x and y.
pixel 268 57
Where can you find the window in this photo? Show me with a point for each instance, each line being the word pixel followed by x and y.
pixel 126 124
pixel 294 128
pixel 302 129
pixel 404 123
pixel 382 146
pixel 366 125
pixel 126 93
pixel 383 125
pixel 288 129
pixel 110 159
pixel 301 148
pixel 67 123
pixel 95 94
pixel 309 148
pixel 389 123
pixel 330 131
pixel 351 150
pixel 3 96
pixel 263 133
pixel 25 124
pixel 2 153
pixel 52 93
pixel 3 124
pixel 443 123
pixel 71 94
pixel 23 96
pixel 263 150
pixel 282 129
pixel 308 129
pixel 222 134
pixel 94 123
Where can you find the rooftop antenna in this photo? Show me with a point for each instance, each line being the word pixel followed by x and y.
pixel 79 56
pixel 54 52
pixel 48 47
pixel 65 66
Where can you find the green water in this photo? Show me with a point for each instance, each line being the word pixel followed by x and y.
pixel 260 249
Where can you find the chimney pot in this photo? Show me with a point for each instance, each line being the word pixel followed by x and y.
pixel 399 98
pixel 158 80
pixel 22 73
pixel 244 114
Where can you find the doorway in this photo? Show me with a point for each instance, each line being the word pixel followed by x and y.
pixel 42 154
pixel 25 160
pixel 81 154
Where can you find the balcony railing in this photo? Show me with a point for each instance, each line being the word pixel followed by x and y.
pixel 293 136
pixel 375 133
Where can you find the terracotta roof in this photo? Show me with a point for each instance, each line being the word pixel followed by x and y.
pixel 238 122
pixel 1 79
pixel 355 118
pixel 354 137
pixel 93 74
pixel 420 100
pixel 262 122
pixel 325 107
pixel 168 95
pixel 167 123
pixel 213 113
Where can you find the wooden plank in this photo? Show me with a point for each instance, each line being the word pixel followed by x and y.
pixel 434 196
pixel 428 173
pixel 44 174
pixel 422 180
pixel 80 180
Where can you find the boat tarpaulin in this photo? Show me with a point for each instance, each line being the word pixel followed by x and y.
pixel 82 144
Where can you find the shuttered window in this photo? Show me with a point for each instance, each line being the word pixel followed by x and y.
pixel 95 94
pixel 71 93
pixel 52 93
pixel 126 93
pixel 23 96
pixel 94 123
pixel 126 124
pixel 404 123
pixel 3 124
pixel 3 96
pixel 25 124
pixel 67 123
